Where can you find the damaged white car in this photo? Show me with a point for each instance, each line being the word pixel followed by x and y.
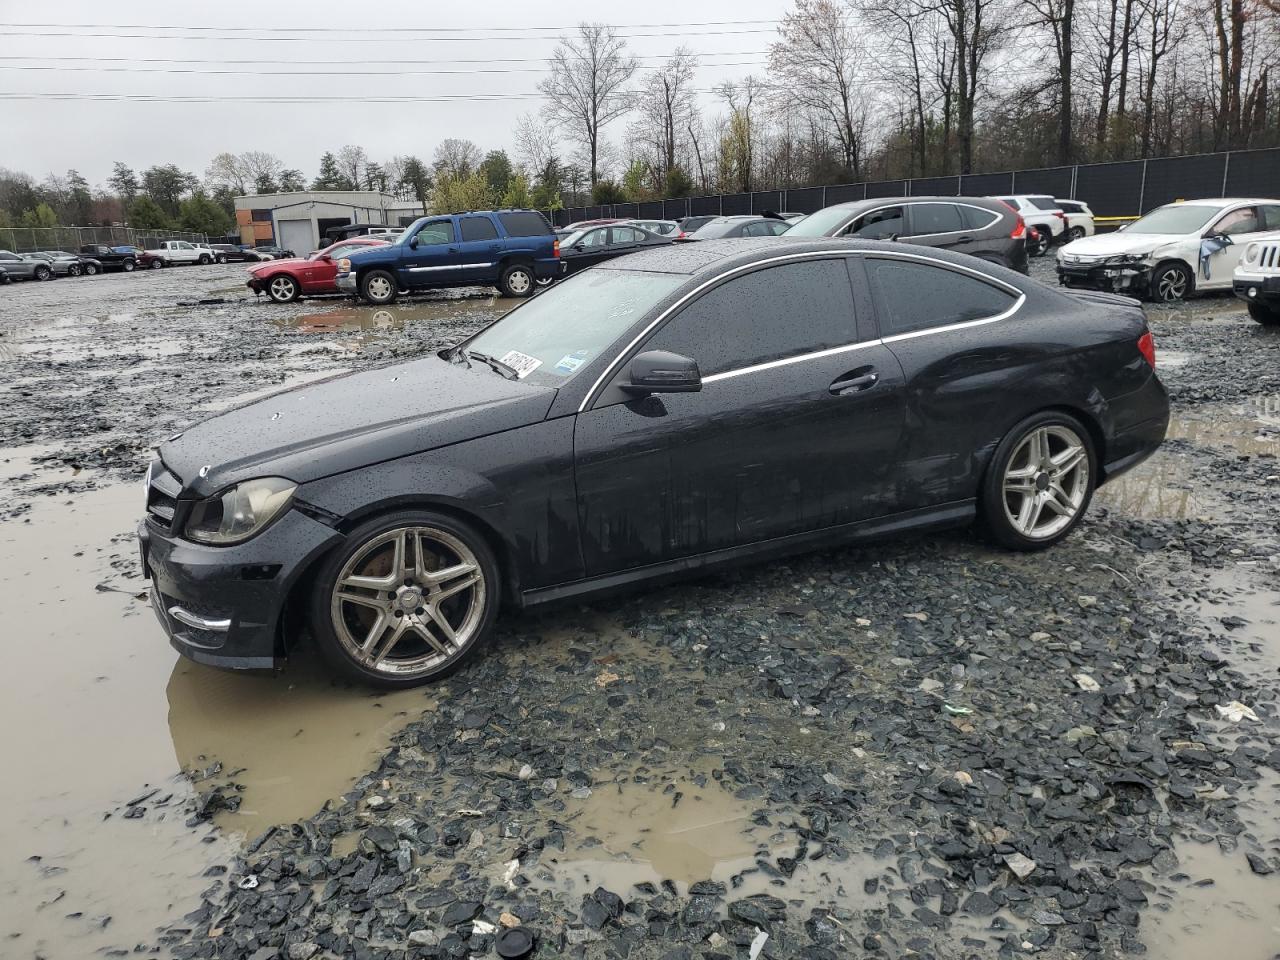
pixel 1173 251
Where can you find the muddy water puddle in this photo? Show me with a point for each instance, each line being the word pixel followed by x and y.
pixel 1243 603
pixel 96 711
pixel 364 319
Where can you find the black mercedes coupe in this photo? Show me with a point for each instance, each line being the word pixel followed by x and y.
pixel 667 412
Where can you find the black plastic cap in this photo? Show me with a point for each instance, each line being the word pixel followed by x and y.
pixel 515 943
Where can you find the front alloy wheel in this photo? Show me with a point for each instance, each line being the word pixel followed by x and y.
pixel 283 289
pixel 157 264
pixel 413 598
pixel 1170 283
pixel 1040 482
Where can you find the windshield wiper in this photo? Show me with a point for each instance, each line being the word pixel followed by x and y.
pixel 506 370
pixel 458 354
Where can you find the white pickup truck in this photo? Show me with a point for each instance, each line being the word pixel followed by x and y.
pixel 172 252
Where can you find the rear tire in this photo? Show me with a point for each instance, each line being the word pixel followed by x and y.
pixel 1041 246
pixel 73 270
pixel 409 598
pixel 1267 316
pixel 204 260
pixel 222 259
pixel 129 266
pixel 517 280
pixel 1074 233
pixel 283 289
pixel 1039 483
pixel 378 287
pixel 43 273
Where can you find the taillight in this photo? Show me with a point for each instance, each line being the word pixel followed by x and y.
pixel 555 248
pixel 681 235
pixel 1147 347
pixel 1019 230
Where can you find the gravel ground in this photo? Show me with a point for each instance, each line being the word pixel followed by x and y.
pixel 928 747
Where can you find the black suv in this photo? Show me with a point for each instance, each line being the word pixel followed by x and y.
pixel 983 228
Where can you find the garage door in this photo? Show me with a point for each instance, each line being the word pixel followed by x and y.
pixel 297 235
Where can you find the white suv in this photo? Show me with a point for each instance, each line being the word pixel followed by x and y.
pixel 1257 279
pixel 1042 212
pixel 1079 219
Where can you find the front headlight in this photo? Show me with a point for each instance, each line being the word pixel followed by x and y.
pixel 235 515
pixel 1125 258
pixel 344 265
pixel 1251 253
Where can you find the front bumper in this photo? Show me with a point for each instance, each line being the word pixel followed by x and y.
pixel 1257 288
pixel 1128 278
pixel 223 606
pixel 346 282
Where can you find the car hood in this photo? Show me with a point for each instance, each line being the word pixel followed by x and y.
pixel 275 264
pixel 351 421
pixel 1115 244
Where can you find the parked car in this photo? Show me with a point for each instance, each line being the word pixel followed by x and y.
pixel 663 228
pixel 689 225
pixel 20 267
pixel 1079 219
pixel 983 228
pixel 349 230
pixel 509 249
pixel 4 275
pixel 112 258
pixel 1172 252
pixel 286 280
pixel 662 414
pixel 173 252
pixel 89 266
pixel 1043 213
pixel 67 264
pixel 230 253
pixel 1257 280
pixel 276 253
pixel 720 228
pixel 595 245
pixel 599 221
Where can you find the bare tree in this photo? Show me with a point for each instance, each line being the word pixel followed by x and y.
pixel 666 107
pixel 455 158
pixel 226 170
pixel 258 164
pixel 977 30
pixel 587 86
pixel 351 161
pixel 817 63
pixel 1058 17
pixel 738 139
pixel 535 144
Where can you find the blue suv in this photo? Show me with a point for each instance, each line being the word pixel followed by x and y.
pixel 512 250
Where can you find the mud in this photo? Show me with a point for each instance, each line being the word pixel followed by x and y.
pixel 721 690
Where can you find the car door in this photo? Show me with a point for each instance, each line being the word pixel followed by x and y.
pixel 624 240
pixel 941 321
pixel 593 248
pixel 883 223
pixel 937 225
pixel 795 428
pixel 186 252
pixel 478 247
pixel 1243 225
pixel 427 257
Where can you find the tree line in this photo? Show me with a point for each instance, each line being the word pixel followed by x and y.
pixel 853 90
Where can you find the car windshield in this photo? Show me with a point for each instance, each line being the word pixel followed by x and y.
pixel 1175 218
pixel 820 224
pixel 549 337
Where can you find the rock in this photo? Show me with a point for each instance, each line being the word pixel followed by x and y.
pixel 1259 865
pixel 460 912
pixel 759 909
pixel 1087 683
pixel 699 910
pixel 303 951
pixel 930 685
pixel 979 904
pixel 424 938
pixel 1235 711
pixel 1021 866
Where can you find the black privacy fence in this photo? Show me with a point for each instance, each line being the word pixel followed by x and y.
pixel 1119 190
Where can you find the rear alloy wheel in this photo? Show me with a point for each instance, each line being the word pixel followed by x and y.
pixel 73 270
pixel 517 281
pixel 1041 245
pixel 1170 282
pixel 410 599
pixel 1267 316
pixel 1075 233
pixel 128 266
pixel 283 289
pixel 378 287
pixel 221 259
pixel 43 273
pixel 90 269
pixel 1040 482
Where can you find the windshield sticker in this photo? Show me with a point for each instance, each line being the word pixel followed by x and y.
pixel 571 362
pixel 521 363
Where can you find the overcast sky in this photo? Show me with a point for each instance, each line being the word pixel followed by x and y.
pixel 51 135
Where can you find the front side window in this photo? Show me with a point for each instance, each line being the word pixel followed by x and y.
pixel 821 224
pixel 878 224
pixel 1244 220
pixel 593 239
pixel 569 325
pixel 435 233
pixel 929 218
pixel 768 314
pixel 917 296
pixel 477 229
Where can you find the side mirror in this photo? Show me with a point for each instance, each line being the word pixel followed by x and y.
pixel 413 243
pixel 579 247
pixel 657 371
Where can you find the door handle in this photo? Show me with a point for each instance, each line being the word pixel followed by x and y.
pixel 854 384
pixel 964 240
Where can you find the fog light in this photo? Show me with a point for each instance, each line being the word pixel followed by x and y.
pixel 1253 291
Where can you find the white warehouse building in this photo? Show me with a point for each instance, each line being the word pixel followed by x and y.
pixel 298 221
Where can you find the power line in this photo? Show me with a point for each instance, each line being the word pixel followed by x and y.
pixel 347 31
pixel 323 73
pixel 347 39
pixel 339 63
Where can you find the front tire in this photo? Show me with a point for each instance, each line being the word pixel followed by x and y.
pixel 129 266
pixel 205 260
pixel 1170 283
pixel 90 269
pixel 1267 316
pixel 1040 482
pixel 43 273
pixel 517 281
pixel 378 287
pixel 283 289
pixel 157 264
pixel 73 270
pixel 409 599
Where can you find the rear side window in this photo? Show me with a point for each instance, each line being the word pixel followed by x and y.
pixel 975 218
pixel 1069 206
pixel 1045 203
pixel 626 235
pixel 935 218
pixel 768 314
pixel 524 224
pixel 478 228
pixel 916 296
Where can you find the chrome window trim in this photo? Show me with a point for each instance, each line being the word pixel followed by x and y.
pixel 189 619
pixel 831 351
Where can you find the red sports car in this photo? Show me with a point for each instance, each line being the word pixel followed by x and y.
pixel 286 280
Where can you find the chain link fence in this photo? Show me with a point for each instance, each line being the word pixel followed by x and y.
pixel 30 239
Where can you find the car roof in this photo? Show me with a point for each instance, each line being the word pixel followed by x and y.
pixel 716 256
pixel 1219 201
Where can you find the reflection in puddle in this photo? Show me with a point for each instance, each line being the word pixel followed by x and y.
pixel 1158 488
pixel 1221 905
pixel 292 741
pixel 1246 611
pixel 357 319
